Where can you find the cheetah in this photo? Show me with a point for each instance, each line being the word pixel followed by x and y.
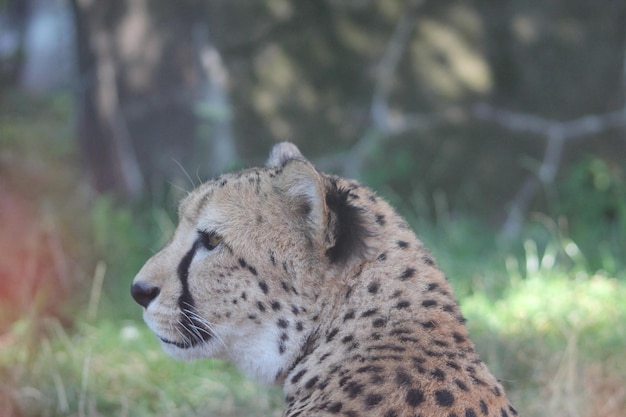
pixel 314 282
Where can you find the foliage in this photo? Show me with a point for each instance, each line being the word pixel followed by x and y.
pixel 592 199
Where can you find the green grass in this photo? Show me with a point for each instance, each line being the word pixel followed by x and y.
pixel 546 335
pixel 117 368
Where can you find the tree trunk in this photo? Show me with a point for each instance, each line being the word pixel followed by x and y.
pixel 148 77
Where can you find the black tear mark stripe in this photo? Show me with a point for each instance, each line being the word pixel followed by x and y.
pixel 194 330
pixel 186 299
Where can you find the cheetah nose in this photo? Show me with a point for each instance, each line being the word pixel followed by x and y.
pixel 144 293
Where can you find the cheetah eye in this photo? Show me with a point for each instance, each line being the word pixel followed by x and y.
pixel 209 240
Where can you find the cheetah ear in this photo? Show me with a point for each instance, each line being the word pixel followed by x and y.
pixel 282 153
pixel 302 186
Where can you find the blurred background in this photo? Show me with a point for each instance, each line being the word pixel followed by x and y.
pixel 497 128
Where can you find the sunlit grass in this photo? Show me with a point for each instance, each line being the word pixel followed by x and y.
pixel 117 368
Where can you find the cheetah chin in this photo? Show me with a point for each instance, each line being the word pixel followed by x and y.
pixel 315 283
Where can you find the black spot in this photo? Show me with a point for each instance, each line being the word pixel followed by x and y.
pixel 349 292
pixel 444 398
pixel 409 339
pixel 470 413
pixel 433 353
pixel 429 324
pixel 483 407
pixel 281 347
pixel 503 413
pixel 428 260
pixel 369 368
pixel 282 323
pixel 349 315
pixel 297 376
pixel 512 410
pixel 453 365
pixel 272 258
pixel 496 391
pixel 441 343
pixel 408 273
pixel 403 304
pixel 382 257
pixel 402 244
pixel 369 312
pixel 252 316
pixel 311 382
pixel 438 374
pixel 396 294
pixel 403 379
pixel 260 306
pixel 244 296
pixel 429 303
pixel 373 287
pixel 324 357
pixel 332 334
pixel 379 322
pixel 372 400
pixel 242 262
pixel 375 336
pixel 432 286
pixel 264 287
pixel 459 338
pixel 414 397
pixel 380 219
pixel 391 413
pixel 350 231
pixel 335 407
pixel 397 332
pixel 418 360
pixel 343 381
pixel 299 326
pixel 353 389
pixel 347 339
pixel 252 270
pixel 284 286
pixel 461 385
pixel 477 381
pixel 275 306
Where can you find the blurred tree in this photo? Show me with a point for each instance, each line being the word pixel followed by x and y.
pixel 150 82
pixel 424 97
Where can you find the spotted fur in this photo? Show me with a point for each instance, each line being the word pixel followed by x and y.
pixel 314 282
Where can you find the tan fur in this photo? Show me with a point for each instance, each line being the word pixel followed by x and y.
pixel 373 330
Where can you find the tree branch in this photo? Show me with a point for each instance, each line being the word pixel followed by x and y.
pixel 387 124
pixel 558 134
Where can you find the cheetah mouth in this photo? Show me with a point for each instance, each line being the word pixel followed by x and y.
pixel 189 340
pixel 190 336
pixel 179 345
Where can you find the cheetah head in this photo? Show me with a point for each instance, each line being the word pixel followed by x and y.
pixel 245 276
